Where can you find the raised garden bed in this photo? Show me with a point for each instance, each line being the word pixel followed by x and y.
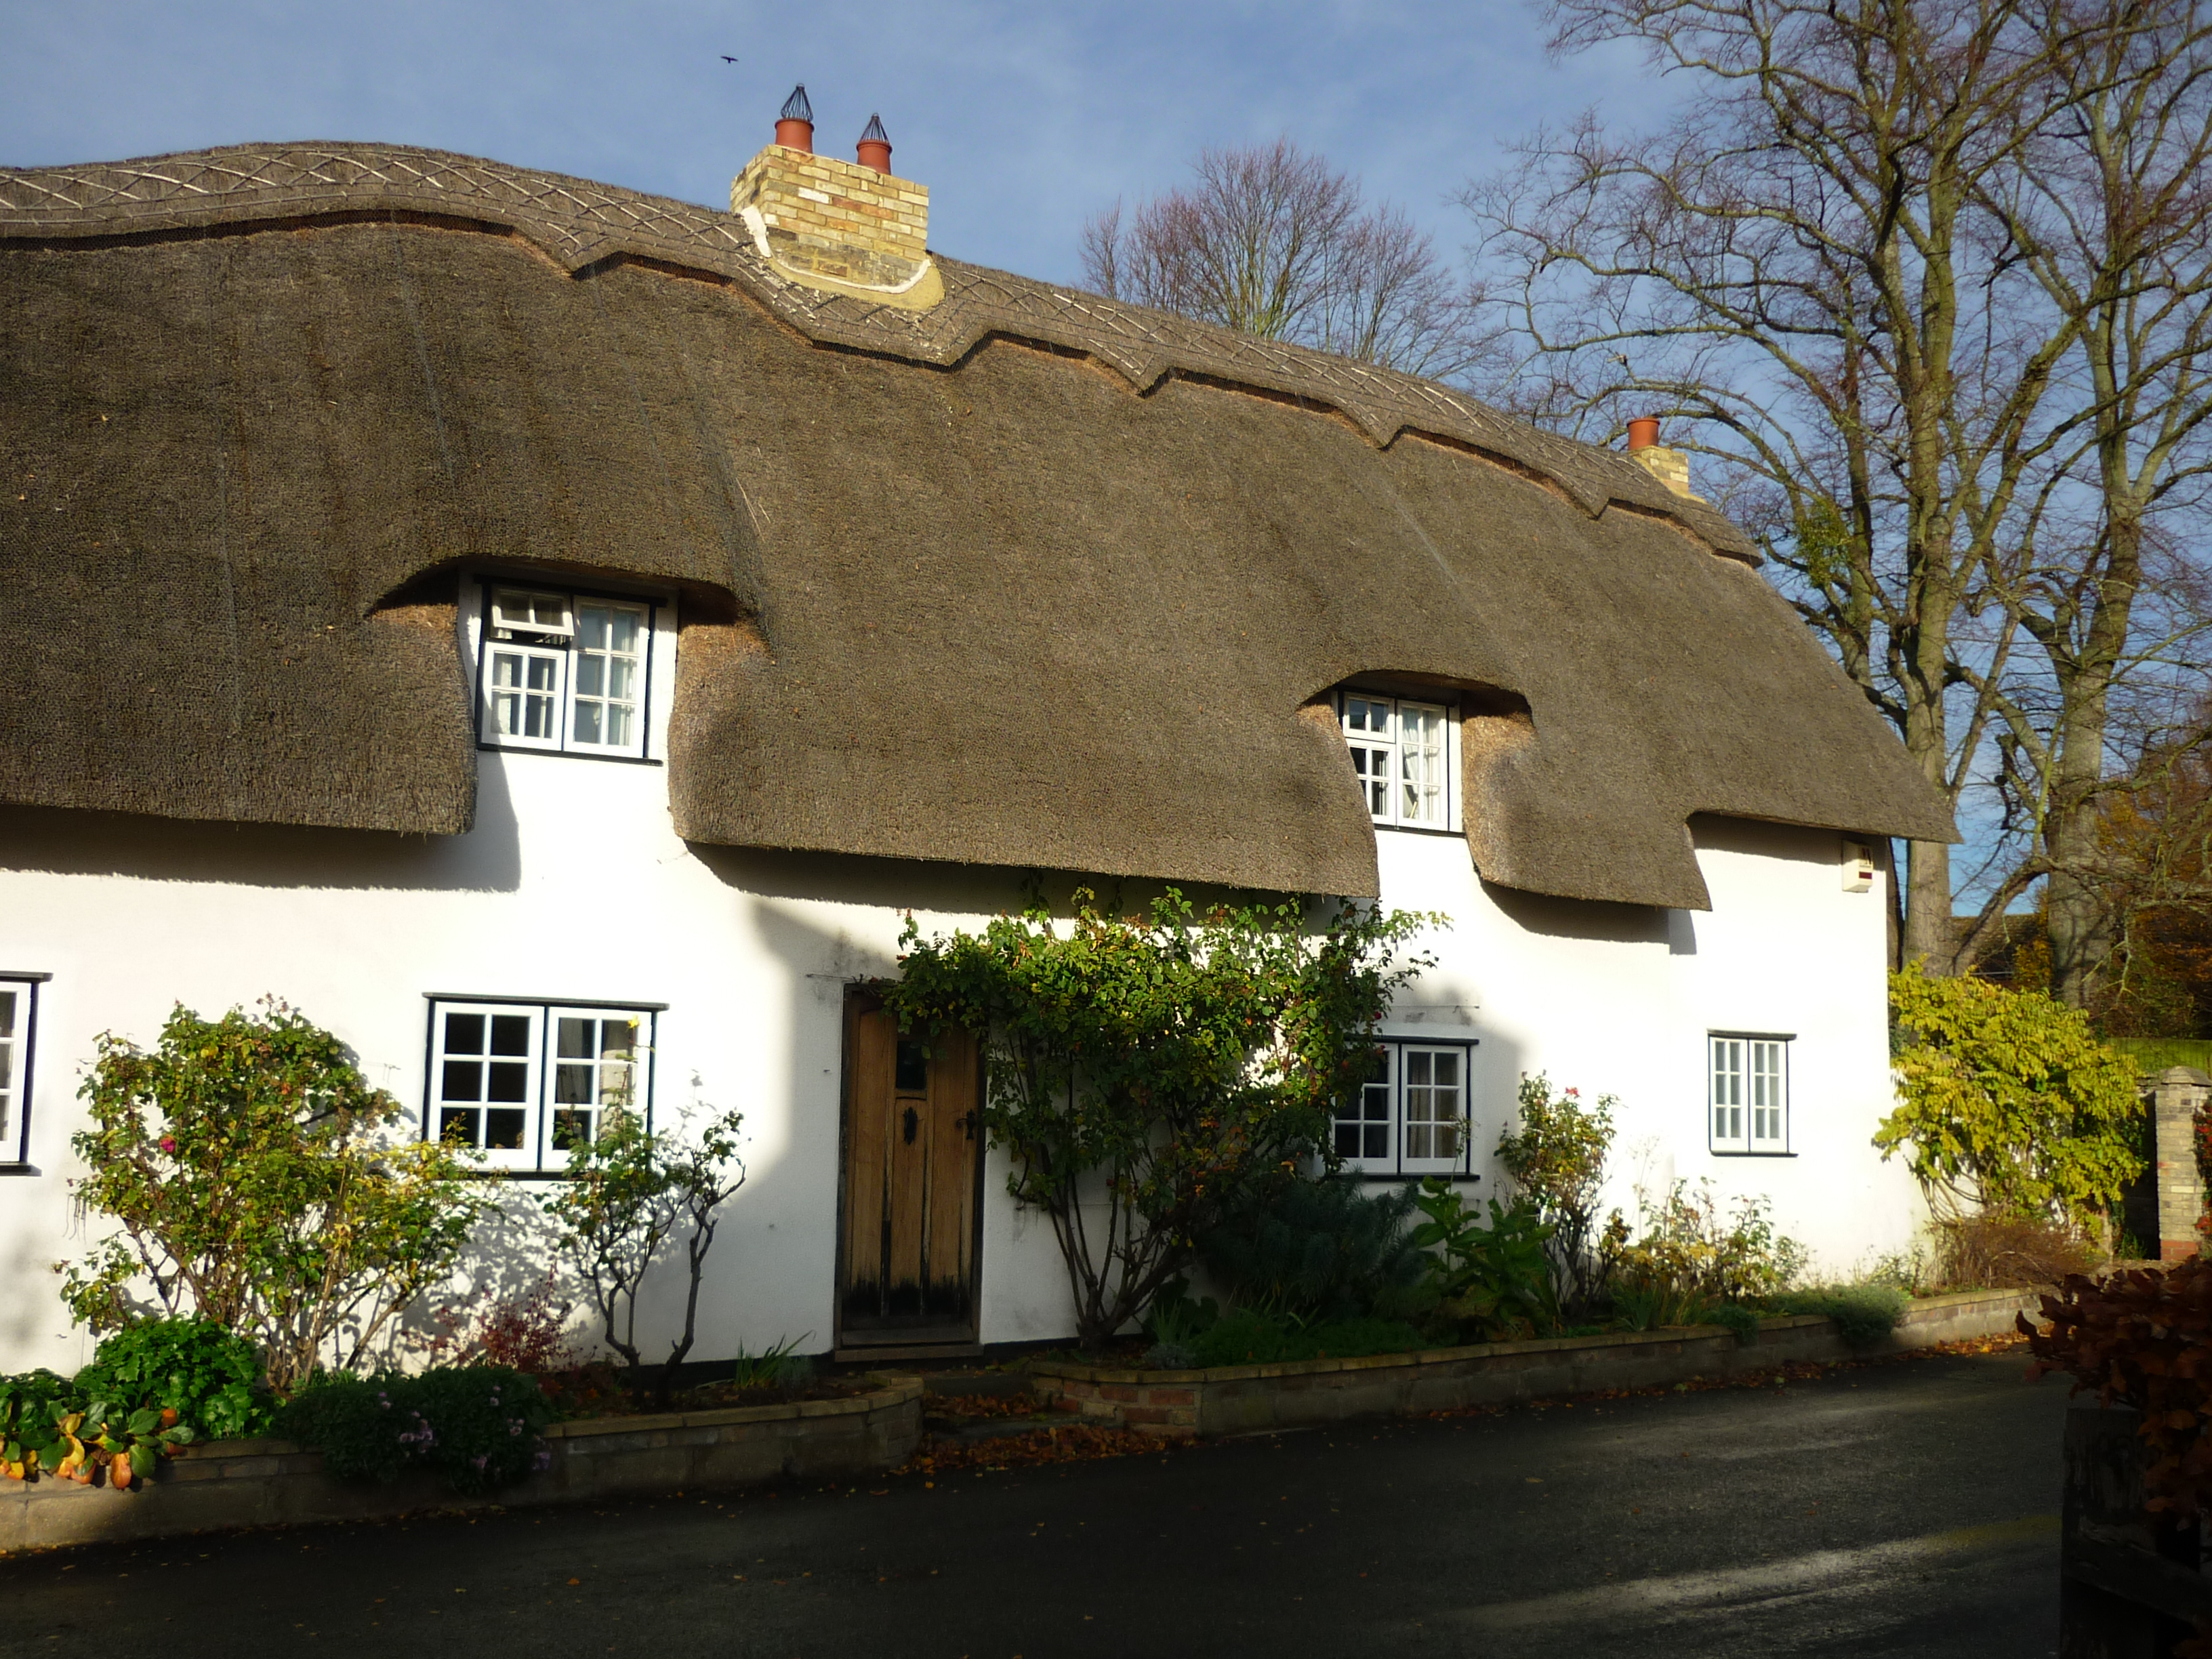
pixel 1246 1399
pixel 250 1483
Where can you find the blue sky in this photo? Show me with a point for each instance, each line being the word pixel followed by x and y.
pixel 1022 119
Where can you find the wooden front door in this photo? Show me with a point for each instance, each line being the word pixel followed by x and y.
pixel 913 1165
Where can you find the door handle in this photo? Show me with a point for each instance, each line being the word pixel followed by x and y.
pixel 912 1124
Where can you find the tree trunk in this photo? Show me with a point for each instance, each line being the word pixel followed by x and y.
pixel 1929 936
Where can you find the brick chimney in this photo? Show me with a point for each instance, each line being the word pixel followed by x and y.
pixel 842 226
pixel 1670 466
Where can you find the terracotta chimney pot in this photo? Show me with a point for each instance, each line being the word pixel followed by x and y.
pixel 795 127
pixel 874 149
pixel 1643 433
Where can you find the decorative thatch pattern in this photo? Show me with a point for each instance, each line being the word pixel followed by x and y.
pixel 945 598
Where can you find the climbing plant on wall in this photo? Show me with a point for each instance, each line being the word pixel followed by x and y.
pixel 1149 1072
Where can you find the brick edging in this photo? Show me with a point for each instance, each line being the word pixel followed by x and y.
pixel 222 1484
pixel 1234 1399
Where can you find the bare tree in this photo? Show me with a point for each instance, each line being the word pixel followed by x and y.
pixel 2111 212
pixel 1273 242
pixel 1790 264
pixel 1922 272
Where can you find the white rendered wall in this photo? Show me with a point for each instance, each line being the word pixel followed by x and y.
pixel 574 886
pixel 1618 999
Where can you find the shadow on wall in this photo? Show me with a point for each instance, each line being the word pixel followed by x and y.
pixel 748 1293
pixel 948 888
pixel 1590 919
pixel 58 841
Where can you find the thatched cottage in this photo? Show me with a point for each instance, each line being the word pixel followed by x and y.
pixel 552 635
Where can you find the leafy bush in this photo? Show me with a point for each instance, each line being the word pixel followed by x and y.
pixel 1317 1249
pixel 28 1420
pixel 627 1194
pixel 1685 1254
pixel 50 1427
pixel 1653 1305
pixel 482 1426
pixel 1175 1322
pixel 1556 1159
pixel 207 1376
pixel 2140 1338
pixel 1997 1252
pixel 1734 1317
pixel 1246 1336
pixel 2010 1105
pixel 1167 1068
pixel 256 1183
pixel 1864 1313
pixel 1497 1279
pixel 526 1331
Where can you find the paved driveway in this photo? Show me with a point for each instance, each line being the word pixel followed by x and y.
pixel 1903 1509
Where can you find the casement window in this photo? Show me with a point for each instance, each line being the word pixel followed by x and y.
pixel 1747 1092
pixel 524 1083
pixel 19 1009
pixel 1410 1117
pixel 565 672
pixel 1401 757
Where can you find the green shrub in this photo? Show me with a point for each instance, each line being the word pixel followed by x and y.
pixel 1144 1074
pixel 1556 1159
pixel 1864 1313
pixel 51 1427
pixel 1497 1279
pixel 1735 1317
pixel 779 1366
pixel 1246 1336
pixel 209 1378
pixel 480 1424
pixel 2009 1104
pixel 27 1419
pixel 1316 1249
pixel 1640 1304
pixel 256 1178
pixel 1684 1255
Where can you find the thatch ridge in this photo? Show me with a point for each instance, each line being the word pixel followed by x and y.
pixel 945 596
pixel 582 224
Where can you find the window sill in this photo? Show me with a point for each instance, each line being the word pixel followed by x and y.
pixel 1416 830
pixel 19 1169
pixel 567 754
pixel 1411 1174
pixel 1714 1152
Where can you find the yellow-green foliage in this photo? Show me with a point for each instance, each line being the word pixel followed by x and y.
pixel 2006 1101
pixel 256 1178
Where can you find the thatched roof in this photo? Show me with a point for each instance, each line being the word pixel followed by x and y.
pixel 1031 579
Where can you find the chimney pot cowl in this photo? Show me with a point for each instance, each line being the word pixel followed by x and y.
pixel 1643 433
pixel 874 149
pixel 794 125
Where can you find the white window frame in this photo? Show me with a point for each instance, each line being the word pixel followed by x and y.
pixel 19 1039
pixel 551 629
pixel 541 1104
pixel 1403 1059
pixel 1374 725
pixel 1748 1093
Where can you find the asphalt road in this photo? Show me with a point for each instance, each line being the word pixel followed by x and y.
pixel 1903 1509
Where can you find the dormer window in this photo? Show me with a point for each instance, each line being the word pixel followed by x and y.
pixel 565 671
pixel 1401 756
